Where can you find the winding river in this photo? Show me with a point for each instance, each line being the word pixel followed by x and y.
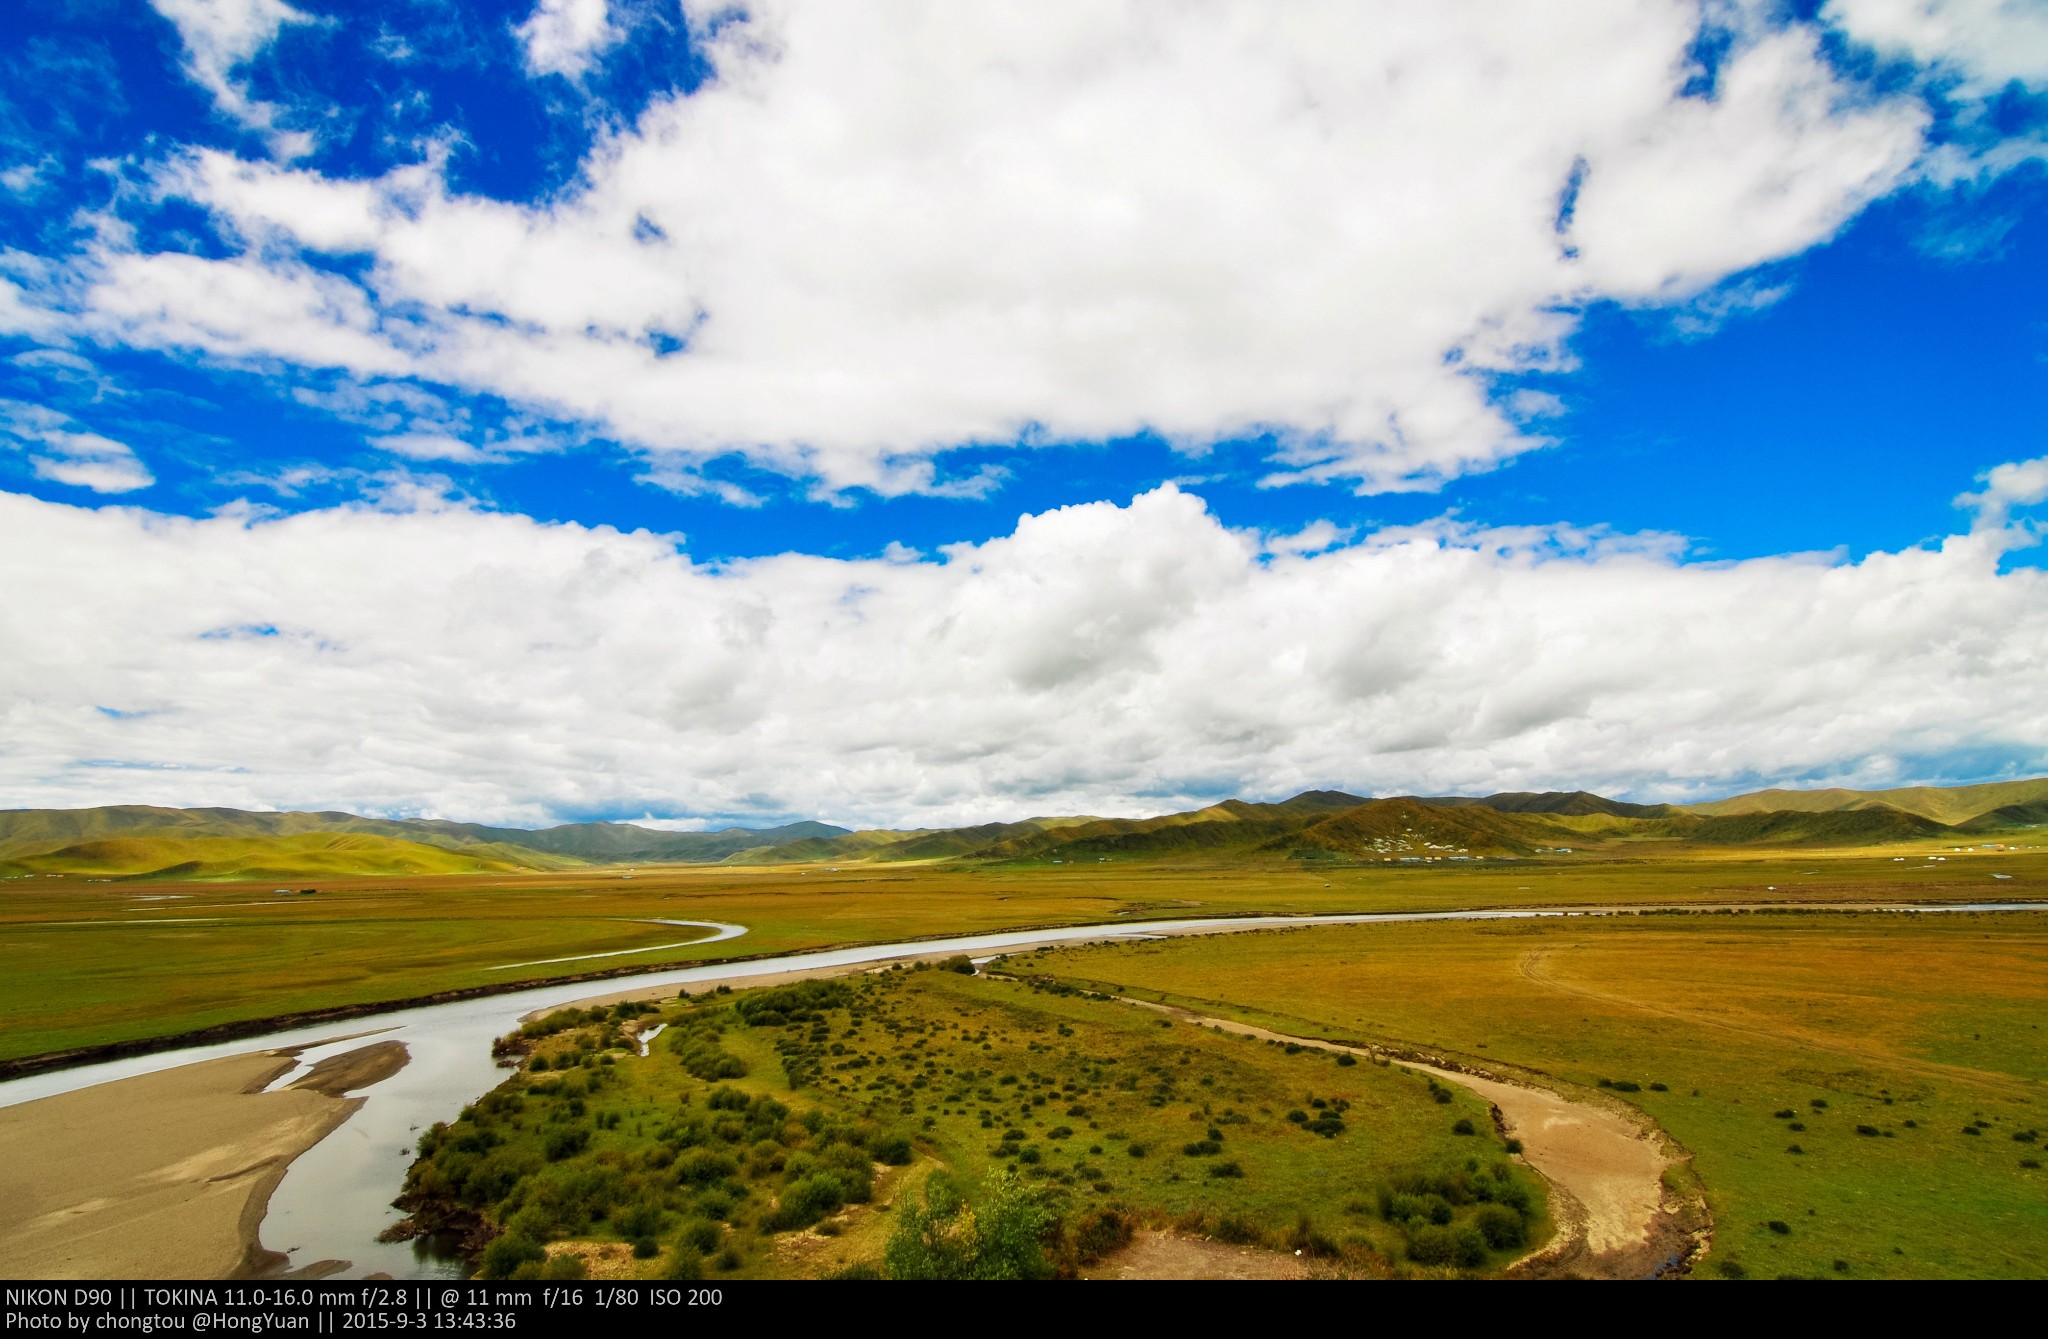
pixel 336 1198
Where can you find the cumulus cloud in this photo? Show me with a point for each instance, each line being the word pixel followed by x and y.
pixel 58 450
pixel 2021 483
pixel 881 232
pixel 1100 658
pixel 1969 53
pixel 221 36
pixel 565 36
pixel 1984 44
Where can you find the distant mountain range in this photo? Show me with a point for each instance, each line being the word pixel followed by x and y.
pixel 139 841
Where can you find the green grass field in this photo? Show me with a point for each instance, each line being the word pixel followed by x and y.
pixel 1901 1055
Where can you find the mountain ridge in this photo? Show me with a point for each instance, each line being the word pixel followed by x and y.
pixel 1313 825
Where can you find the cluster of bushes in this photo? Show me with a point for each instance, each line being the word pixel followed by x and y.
pixel 533 1162
pixel 1002 1236
pixel 1328 1120
pixel 695 1043
pixel 798 1002
pixel 1457 1217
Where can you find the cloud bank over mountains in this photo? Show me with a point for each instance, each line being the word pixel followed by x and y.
pixel 852 246
pixel 441 659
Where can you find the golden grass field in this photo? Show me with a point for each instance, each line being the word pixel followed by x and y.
pixel 1874 1043
pixel 85 962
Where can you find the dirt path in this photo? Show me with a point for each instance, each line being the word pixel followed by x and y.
pixel 166 1175
pixel 1605 1165
pixel 1165 1255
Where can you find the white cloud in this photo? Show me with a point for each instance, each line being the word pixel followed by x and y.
pixel 2021 483
pixel 884 231
pixel 1969 52
pixel 1098 659
pixel 221 36
pixel 565 36
pixel 1986 44
pixel 59 451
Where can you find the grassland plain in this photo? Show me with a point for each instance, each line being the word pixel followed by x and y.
pixel 84 962
pixel 748 1141
pixel 1862 1093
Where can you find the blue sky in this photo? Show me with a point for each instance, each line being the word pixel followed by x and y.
pixel 788 282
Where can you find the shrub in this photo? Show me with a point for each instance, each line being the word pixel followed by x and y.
pixel 644 1248
pixel 1201 1148
pixel 894 1150
pixel 1660 1087
pixel 960 963
pixel 700 1235
pixel 2025 1136
pixel 1868 1131
pixel 1780 1227
pixel 860 1271
pixel 1463 1127
pixel 1731 1270
pixel 1346 1061
pixel 1501 1226
pixel 1819 1104
pixel 1514 1146
pixel 564 1268
pixel 807 1200
pixel 506 1254
pixel 1794 1148
pixel 1225 1170
pixel 1432 1246
pixel 565 1142
pixel 1137 1150
pixel 1098 1233
pixel 702 1166
pixel 1235 1231
pixel 1785 1113
pixel 999 1241
pixel 684 1264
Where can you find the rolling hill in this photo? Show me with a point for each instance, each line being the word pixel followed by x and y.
pixel 1574 803
pixel 44 831
pixel 296 856
pixel 1943 804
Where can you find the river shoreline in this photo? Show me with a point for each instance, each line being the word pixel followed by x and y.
pixel 336 1199
pixel 44 1062
pixel 176 1179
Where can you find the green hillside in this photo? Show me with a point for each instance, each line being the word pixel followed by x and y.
pixel 1943 804
pixel 298 856
pixel 560 847
pixel 1415 829
pixel 1845 827
pixel 1572 803
pixel 2010 818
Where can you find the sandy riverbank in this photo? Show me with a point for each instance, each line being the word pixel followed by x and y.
pixel 166 1175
